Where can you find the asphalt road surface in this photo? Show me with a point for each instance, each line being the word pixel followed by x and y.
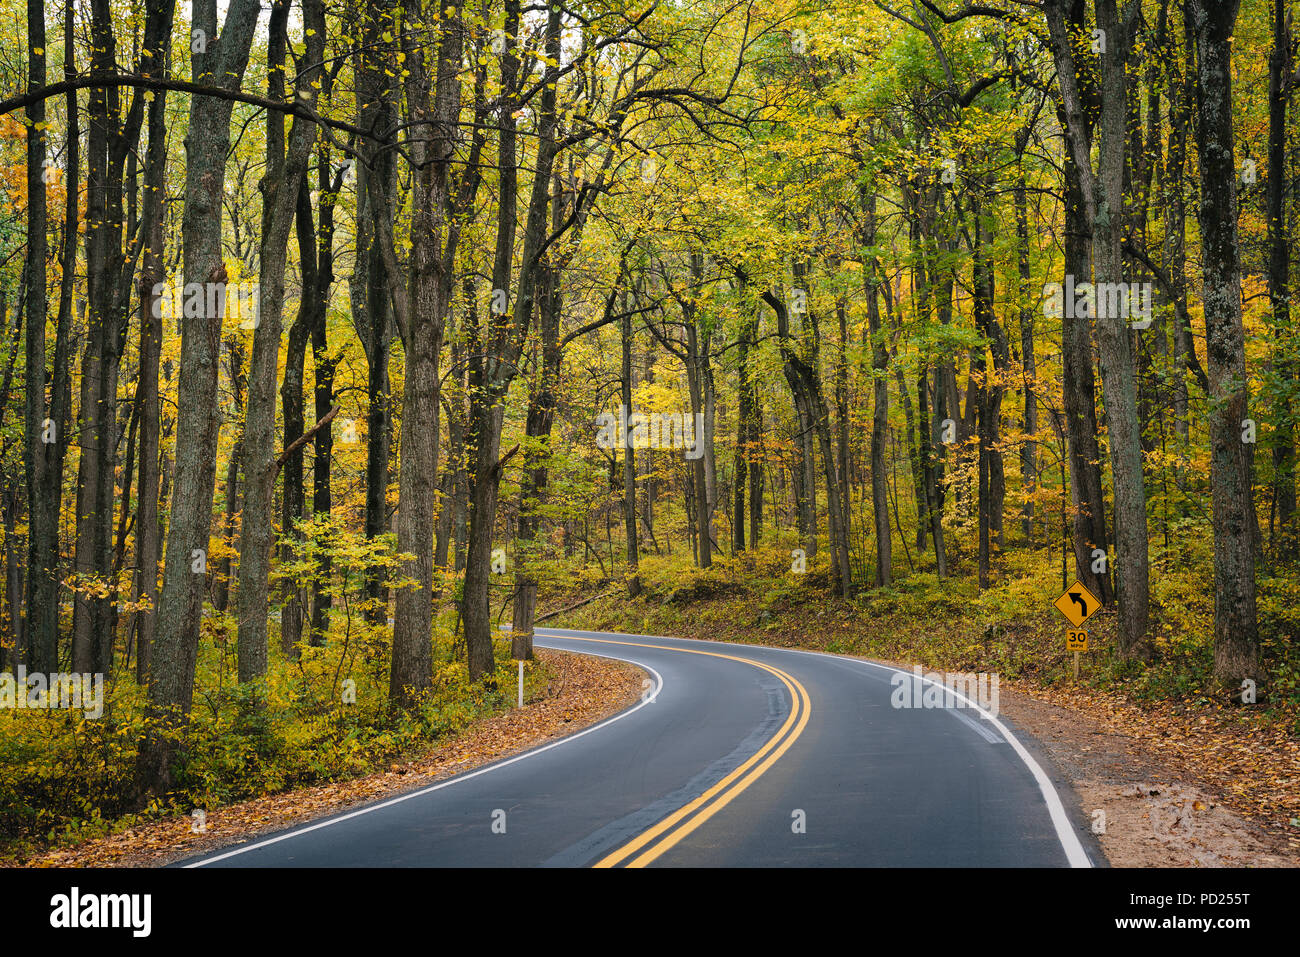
pixel 736 756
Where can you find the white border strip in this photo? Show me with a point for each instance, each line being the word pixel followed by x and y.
pixel 1074 852
pixel 456 780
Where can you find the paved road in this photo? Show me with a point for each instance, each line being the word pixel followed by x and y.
pixel 737 755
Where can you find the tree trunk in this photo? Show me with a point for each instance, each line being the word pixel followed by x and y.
pixel 1279 268
pixel 148 531
pixel 1236 637
pixel 1079 397
pixel 324 364
pixel 1103 203
pixel 805 385
pixel 629 465
pixel 1028 370
pixel 697 376
pixel 422 318
pixel 43 543
pixel 280 189
pixel 13 576
pixel 930 474
pixel 235 350
pixel 92 636
pixel 699 380
pixel 880 406
pixel 293 498
pixel 375 93
pixel 1119 387
pixel 739 466
pixel 541 415
pixel 175 653
pixel 754 443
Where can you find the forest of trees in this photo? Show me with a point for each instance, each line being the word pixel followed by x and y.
pixel 936 279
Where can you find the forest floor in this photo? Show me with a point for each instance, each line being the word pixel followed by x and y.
pixel 1181 775
pixel 1156 810
pixel 580 691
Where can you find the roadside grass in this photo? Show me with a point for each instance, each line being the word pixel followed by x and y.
pixel 319 718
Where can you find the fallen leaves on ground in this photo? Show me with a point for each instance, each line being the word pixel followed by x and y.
pixel 1251 765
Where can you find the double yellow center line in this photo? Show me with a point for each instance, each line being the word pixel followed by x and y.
pixel 660 838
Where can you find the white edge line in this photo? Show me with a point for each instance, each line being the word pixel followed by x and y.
pixel 1074 852
pixel 456 780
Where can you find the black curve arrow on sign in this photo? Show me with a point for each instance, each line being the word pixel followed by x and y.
pixel 1079 600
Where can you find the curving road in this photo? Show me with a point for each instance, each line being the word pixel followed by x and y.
pixel 737 755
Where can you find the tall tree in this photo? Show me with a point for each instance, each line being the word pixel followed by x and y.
pixel 293 501
pixel 1236 629
pixel 1279 263
pixel 280 188
pixel 220 62
pixel 112 138
pixel 1102 194
pixel 42 577
pixel 370 301
pixel 880 401
pixel 148 535
pixel 325 362
pixel 433 104
pixel 503 342
pixel 629 461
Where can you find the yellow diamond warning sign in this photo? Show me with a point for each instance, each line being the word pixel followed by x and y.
pixel 1077 604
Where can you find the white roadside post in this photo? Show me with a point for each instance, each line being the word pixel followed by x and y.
pixel 521 682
